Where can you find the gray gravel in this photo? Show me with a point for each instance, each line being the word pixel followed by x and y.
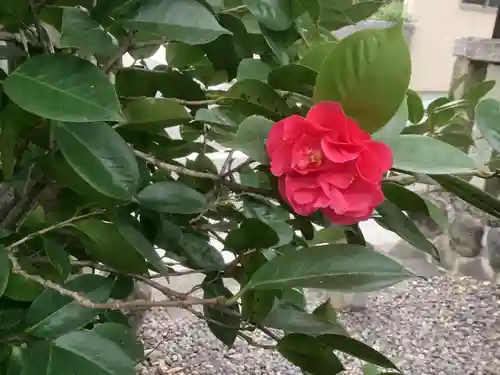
pixel 427 327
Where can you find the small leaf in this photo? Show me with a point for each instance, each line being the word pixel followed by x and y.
pixel 123 336
pixel 155 114
pixel 291 319
pixel 141 244
pixel 253 69
pixel 274 14
pixel 399 223
pixel 80 30
pixel 293 78
pixel 416 109
pixel 487 120
pixel 337 14
pixel 53 314
pixel 251 136
pixel 422 154
pixel 243 238
pixel 58 257
pixel 100 156
pixel 200 254
pixel 328 236
pixel 227 329
pixel 186 21
pixel 96 353
pixel 64 88
pixel 5 269
pixel 335 267
pixel 172 197
pixel 477 92
pixel 309 354
pixel 353 74
pixel 356 348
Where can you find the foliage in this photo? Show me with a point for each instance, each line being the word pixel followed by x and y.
pixel 91 178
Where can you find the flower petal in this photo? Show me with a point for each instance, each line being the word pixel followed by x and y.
pixel 275 137
pixel 346 219
pixel 383 154
pixel 328 116
pixel 295 127
pixel 340 152
pixel 281 160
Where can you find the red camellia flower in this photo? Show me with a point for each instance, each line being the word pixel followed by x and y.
pixel 326 162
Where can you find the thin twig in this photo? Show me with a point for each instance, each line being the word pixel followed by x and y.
pixel 123 49
pixel 252 342
pixel 179 101
pixel 39 28
pixel 51 228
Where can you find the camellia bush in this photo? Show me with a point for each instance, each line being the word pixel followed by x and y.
pixel 98 196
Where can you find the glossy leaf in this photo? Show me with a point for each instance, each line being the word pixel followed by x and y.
pixel 274 14
pixel 315 57
pixel 293 78
pixel 186 21
pixel 335 267
pixel 337 14
pixel 100 157
pixel 172 197
pixel 353 74
pixel 155 114
pixel 309 354
pixel 250 138
pixel 64 88
pixel 5 269
pixel 122 336
pixel 487 120
pixel 416 109
pixel 422 154
pixel 95 353
pixel 398 222
pixel 58 257
pixel 53 314
pixel 253 69
pixel 244 238
pixel 396 124
pixel 200 254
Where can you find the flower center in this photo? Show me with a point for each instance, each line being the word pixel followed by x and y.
pixel 315 157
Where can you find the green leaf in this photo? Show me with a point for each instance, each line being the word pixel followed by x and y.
pixel 347 268
pixel 243 238
pixel 251 136
pixel 293 78
pixel 475 93
pixel 396 124
pixel 155 114
pixel 356 348
pixel 96 354
pixel 399 223
pixel 10 317
pixel 326 312
pixel 253 69
pixel 185 21
pixel 20 289
pixel 469 193
pixel 328 235
pixel 274 14
pixel 416 109
pixel 315 57
pixel 100 156
pixel 5 269
pixel 141 244
pixel 123 336
pixel 58 257
pixel 200 254
pixel 107 245
pixel 53 314
pixel 354 75
pixel 487 120
pixel 309 354
pixel 172 197
pixel 256 97
pixel 422 154
pixel 64 88
pixel 335 14
pixel 80 30
pixel 291 319
pixel 224 325
pixel 299 7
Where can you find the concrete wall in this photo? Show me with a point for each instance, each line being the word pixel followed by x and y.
pixel 438 23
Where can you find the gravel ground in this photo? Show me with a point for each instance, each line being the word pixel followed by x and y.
pixel 428 327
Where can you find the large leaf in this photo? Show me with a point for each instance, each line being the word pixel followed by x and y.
pixel 294 78
pixel 53 314
pixel 80 30
pixel 488 121
pixel 186 21
pixel 5 269
pixel 422 154
pixel 354 74
pixel 309 354
pixel 274 14
pixel 251 137
pixel 155 114
pixel 123 336
pixel 315 57
pixel 395 220
pixel 100 156
pixel 65 88
pixel 253 69
pixel 172 197
pixel 95 353
pixel 346 268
